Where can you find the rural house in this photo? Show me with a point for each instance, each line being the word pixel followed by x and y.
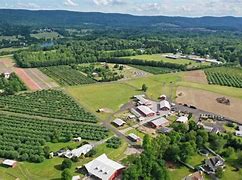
pixel 104 168
pixel 212 164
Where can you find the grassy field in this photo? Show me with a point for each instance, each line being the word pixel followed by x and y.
pixel 159 57
pixel 106 95
pixel 178 173
pixel 46 35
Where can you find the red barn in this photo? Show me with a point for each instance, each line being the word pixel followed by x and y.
pixel 104 168
pixel 145 111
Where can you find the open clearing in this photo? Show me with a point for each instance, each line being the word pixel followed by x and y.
pixel 205 100
pixel 161 57
pixel 33 78
pixel 195 76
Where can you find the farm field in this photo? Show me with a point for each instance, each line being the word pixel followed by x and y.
pixel 161 57
pixel 207 101
pixel 32 77
pixel 46 103
pixel 225 76
pixel 46 35
pixel 153 70
pixel 65 75
pixel 195 76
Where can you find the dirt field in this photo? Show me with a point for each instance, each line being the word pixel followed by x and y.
pixel 195 76
pixel 33 78
pixel 206 101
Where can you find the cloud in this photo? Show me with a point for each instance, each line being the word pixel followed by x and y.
pixel 70 3
pixel 109 2
pixel 28 5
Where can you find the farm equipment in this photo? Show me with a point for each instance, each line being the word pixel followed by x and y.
pixel 223 100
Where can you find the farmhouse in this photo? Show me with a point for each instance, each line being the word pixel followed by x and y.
pixel 104 168
pixel 165 105
pixel 142 101
pixel 146 111
pixel 118 122
pixel 134 137
pixel 159 122
pixel 212 164
pixel 182 119
pixel 9 163
pixel 79 151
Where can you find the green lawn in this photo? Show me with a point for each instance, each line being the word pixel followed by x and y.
pixel 160 57
pixel 230 174
pixel 196 160
pixel 102 95
pixel 57 146
pixel 114 154
pixel 178 173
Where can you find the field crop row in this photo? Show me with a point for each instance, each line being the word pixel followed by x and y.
pixel 46 103
pixel 66 76
pixel 154 70
pixel 23 138
pixel 225 76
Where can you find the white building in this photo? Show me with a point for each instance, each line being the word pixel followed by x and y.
pixel 119 122
pixel 142 101
pixel 182 119
pixel 83 150
pixel 104 168
pixel 165 105
pixel 146 111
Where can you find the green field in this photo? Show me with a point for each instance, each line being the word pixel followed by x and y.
pixel 160 57
pixel 105 95
pixel 153 70
pixel 46 35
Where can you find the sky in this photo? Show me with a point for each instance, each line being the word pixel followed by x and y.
pixel 191 8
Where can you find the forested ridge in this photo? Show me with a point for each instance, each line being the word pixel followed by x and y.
pixel 61 18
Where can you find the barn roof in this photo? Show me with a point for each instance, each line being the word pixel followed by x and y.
pixel 103 167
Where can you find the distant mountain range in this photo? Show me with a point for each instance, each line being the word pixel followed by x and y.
pixel 59 18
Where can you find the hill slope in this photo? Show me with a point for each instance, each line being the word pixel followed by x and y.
pixel 54 18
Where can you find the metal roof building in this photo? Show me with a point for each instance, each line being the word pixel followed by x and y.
pixel 104 168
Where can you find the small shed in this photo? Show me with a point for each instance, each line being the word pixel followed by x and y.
pixel 134 137
pixel 7 75
pixel 9 163
pixel 118 122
